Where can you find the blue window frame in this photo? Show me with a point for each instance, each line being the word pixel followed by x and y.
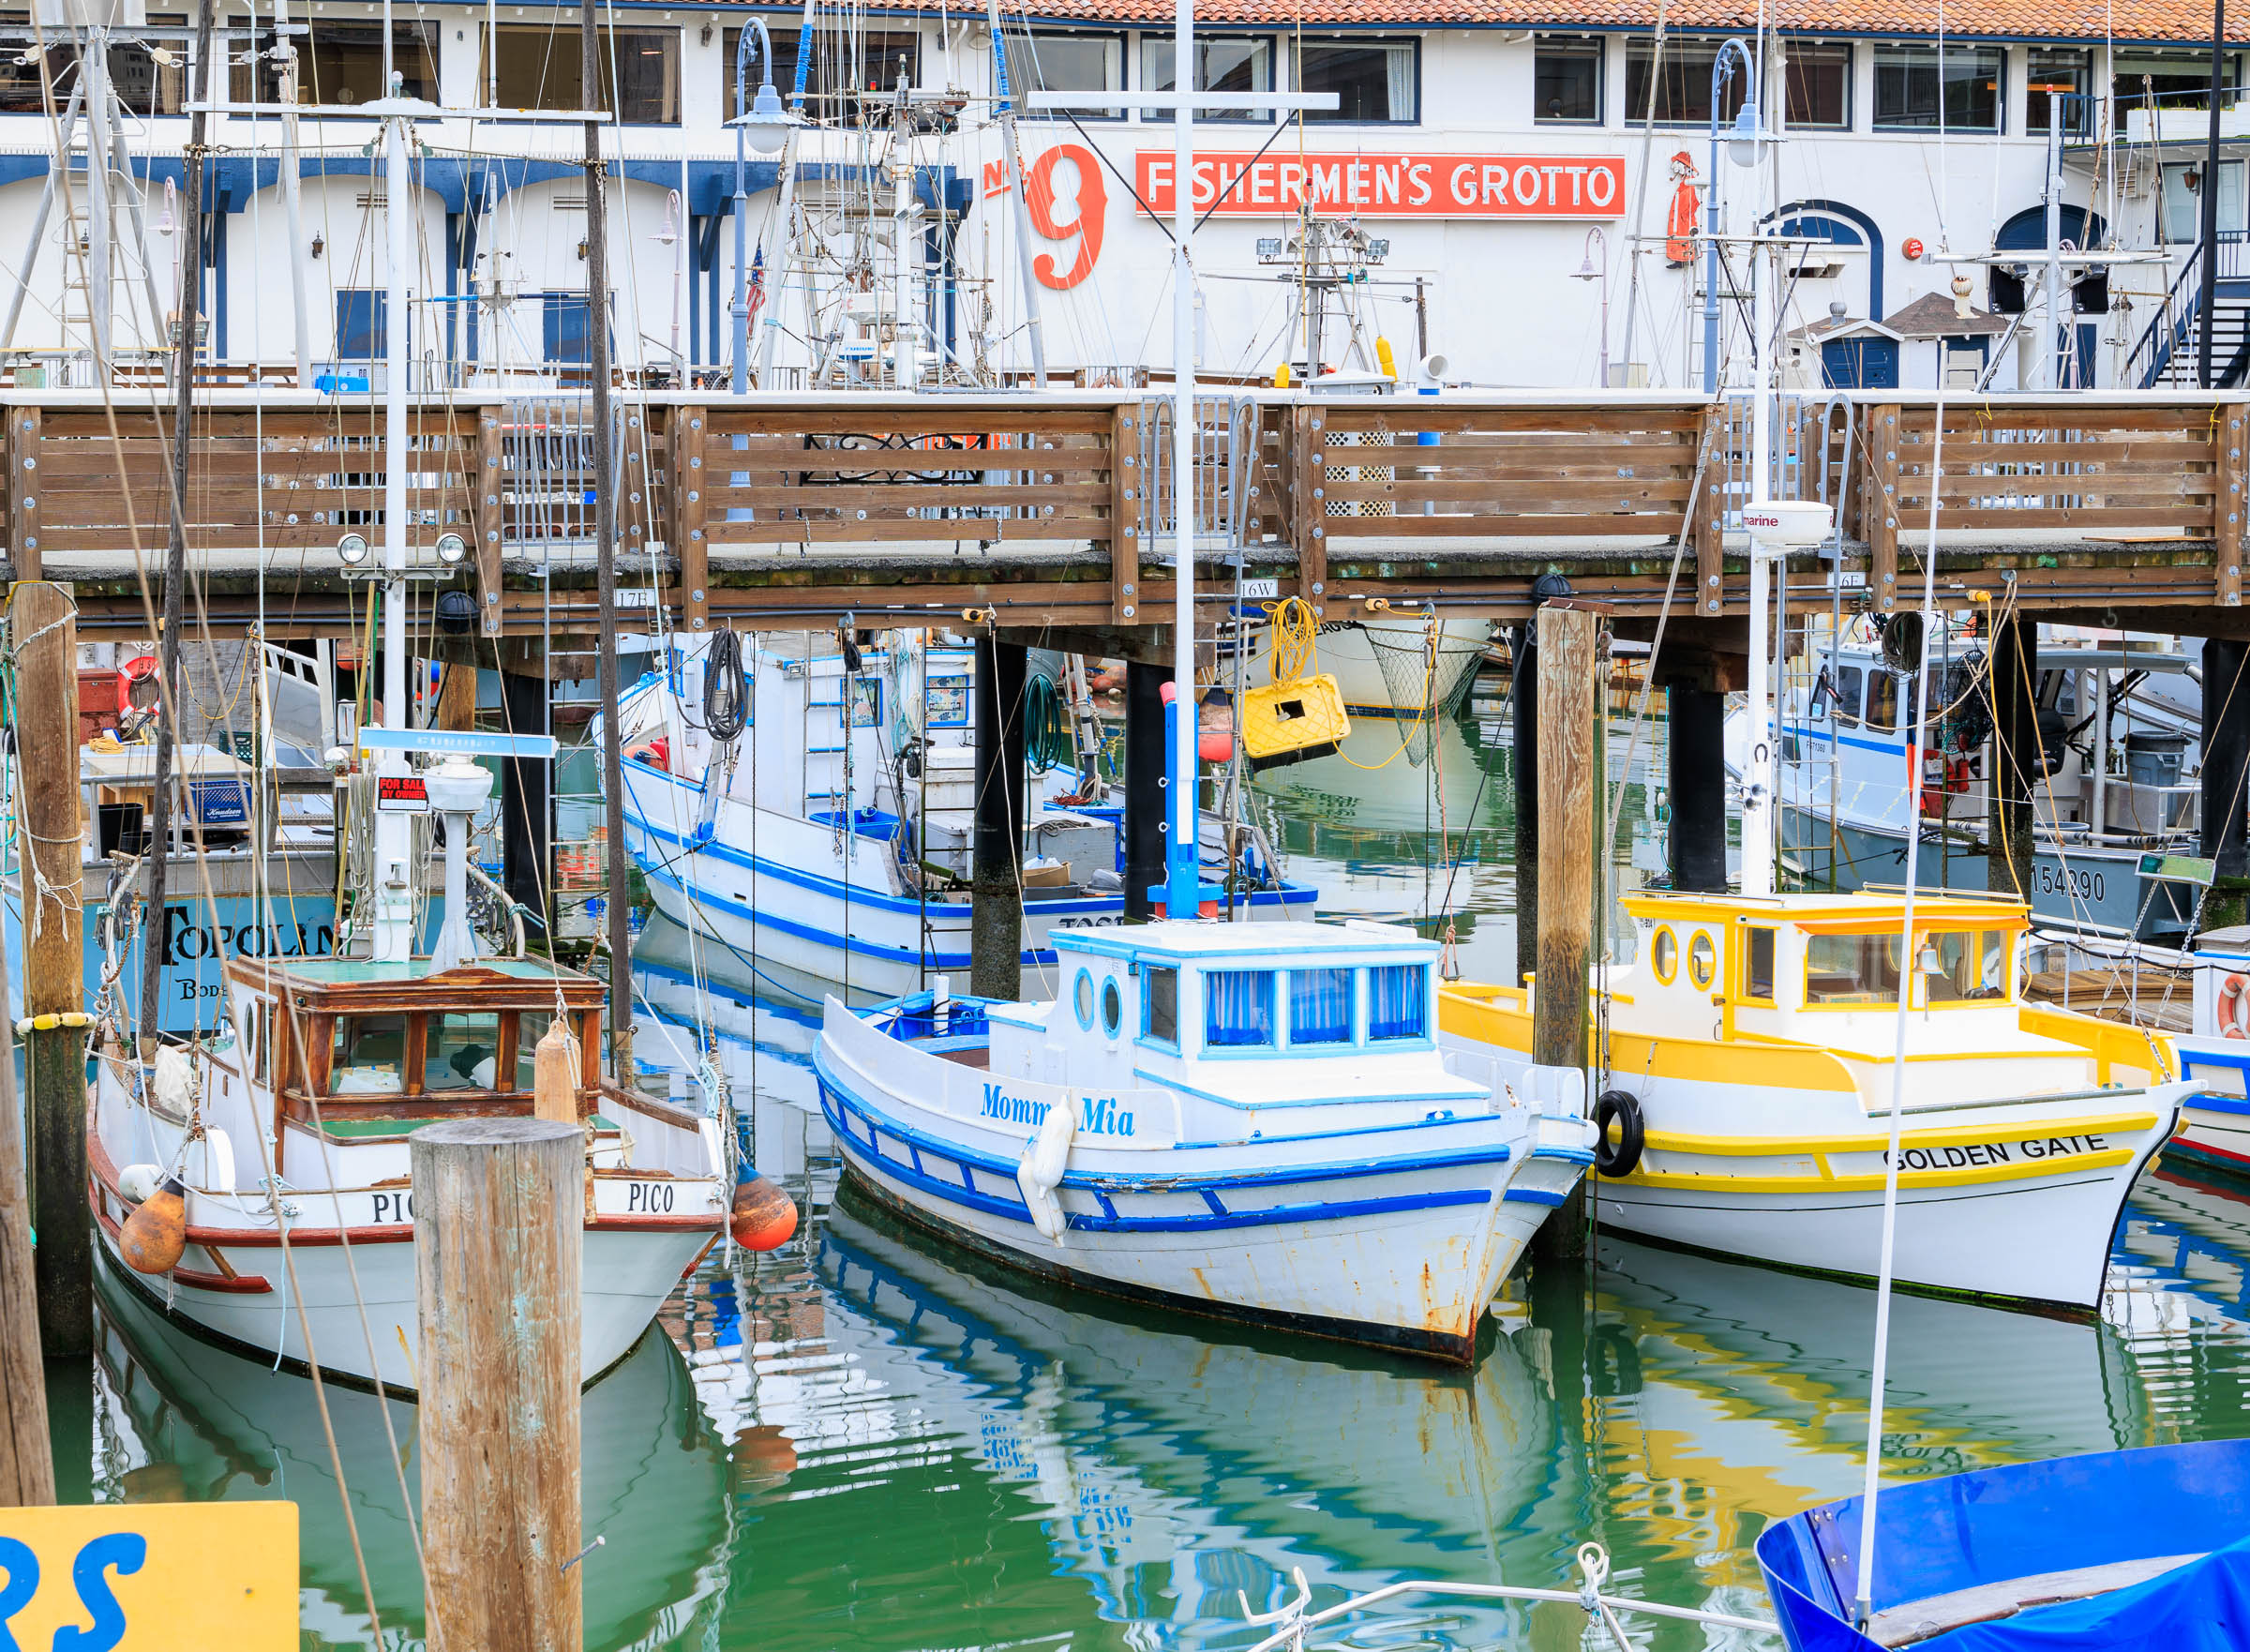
pixel 1398 1003
pixel 1237 1009
pixel 362 324
pixel 1160 1005
pixel 1320 1006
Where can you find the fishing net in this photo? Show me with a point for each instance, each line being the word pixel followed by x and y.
pixel 1426 669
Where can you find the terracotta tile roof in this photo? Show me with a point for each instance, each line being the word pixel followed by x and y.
pixel 2128 20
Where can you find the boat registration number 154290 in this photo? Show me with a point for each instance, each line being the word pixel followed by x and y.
pixel 2077 882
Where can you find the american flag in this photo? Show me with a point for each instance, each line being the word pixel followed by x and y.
pixel 755 297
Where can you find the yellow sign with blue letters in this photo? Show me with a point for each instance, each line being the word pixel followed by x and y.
pixel 141 1577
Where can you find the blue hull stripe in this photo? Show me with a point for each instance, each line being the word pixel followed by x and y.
pixel 1329 1211
pixel 1531 1196
pixel 860 1109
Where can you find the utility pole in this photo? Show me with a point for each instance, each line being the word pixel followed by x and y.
pixel 42 628
pixel 159 847
pixel 605 538
pixel 26 1451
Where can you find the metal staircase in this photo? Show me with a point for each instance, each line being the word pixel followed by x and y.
pixel 2167 351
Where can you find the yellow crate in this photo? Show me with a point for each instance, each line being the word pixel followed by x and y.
pixel 1289 722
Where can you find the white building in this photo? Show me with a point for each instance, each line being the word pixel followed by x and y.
pixel 1506 170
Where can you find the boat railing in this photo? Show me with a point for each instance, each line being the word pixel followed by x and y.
pixel 1291 1622
pixel 919 1016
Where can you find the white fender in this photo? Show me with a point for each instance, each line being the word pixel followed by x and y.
pixel 1038 1175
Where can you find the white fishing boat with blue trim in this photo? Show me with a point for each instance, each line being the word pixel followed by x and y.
pixel 1247 1120
pixel 830 832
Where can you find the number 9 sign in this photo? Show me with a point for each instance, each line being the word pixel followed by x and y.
pixel 1090 213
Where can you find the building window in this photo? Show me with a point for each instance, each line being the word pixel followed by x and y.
pixel 1160 1004
pixel 1320 1006
pixel 1066 63
pixel 2183 200
pixel 1377 83
pixel 1912 88
pixel 1398 1001
pixel 362 324
pixel 337 63
pixel 563 330
pixel 1820 85
pixel 2057 80
pixel 1241 63
pixel 1237 1009
pixel 847 68
pixel 2177 80
pixel 1681 76
pixel 1565 80
pixel 538 69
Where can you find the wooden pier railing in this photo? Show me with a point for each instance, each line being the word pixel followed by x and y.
pixel 792 510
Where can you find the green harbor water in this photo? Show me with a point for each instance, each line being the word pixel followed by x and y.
pixel 866 1441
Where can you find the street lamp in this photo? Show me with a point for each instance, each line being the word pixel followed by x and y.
pixel 1589 271
pixel 758 124
pixel 1745 137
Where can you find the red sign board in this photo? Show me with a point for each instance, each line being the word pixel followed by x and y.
pixel 403 794
pixel 1277 185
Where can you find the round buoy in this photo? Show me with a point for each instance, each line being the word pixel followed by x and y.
pixel 156 1233
pixel 1215 746
pixel 763 1217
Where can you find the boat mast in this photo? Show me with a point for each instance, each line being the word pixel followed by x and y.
pixel 394 926
pixel 1183 893
pixel 1019 187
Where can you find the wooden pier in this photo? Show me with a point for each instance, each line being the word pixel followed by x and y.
pixel 783 511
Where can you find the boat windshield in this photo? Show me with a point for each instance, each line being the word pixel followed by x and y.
pixel 370 1056
pixel 463 1048
pixel 1851 969
pixel 1971 965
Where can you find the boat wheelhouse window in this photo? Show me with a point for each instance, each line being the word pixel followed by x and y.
pixel 1398 1004
pixel 1820 85
pixel 1377 83
pixel 1851 969
pixel 1227 63
pixel 1957 87
pixel 1160 997
pixel 1682 74
pixel 1112 1007
pixel 530 1027
pixel 848 66
pixel 1757 964
pixel 1848 691
pixel 1664 954
pixel 463 1051
pixel 1039 61
pixel 259 1029
pixel 538 66
pixel 1566 73
pixel 1703 960
pixel 1971 965
pixel 2056 79
pixel 1320 1006
pixel 1082 995
pixel 1237 1009
pixel 370 1057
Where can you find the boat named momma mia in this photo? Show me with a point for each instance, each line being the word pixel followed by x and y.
pixel 1248 1119
pixel 1747 1113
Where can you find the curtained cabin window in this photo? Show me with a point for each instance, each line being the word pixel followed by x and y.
pixel 1320 1006
pixel 1237 1007
pixel 1398 1002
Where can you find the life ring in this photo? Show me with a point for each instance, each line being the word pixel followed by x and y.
pixel 1613 1362
pixel 1620 1158
pixel 130 676
pixel 2234 1007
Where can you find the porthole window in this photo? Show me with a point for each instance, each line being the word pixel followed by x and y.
pixel 1083 994
pixel 1664 955
pixel 1113 1008
pixel 1703 960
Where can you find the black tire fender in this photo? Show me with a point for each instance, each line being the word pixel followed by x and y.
pixel 1622 1157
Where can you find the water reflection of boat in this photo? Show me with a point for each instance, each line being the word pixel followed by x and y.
pixel 183 1421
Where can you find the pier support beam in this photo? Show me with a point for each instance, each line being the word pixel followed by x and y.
pixel 42 628
pixel 27 1453
pixel 1144 789
pixel 497 1241
pixel 2225 766
pixel 2015 769
pixel 1570 674
pixel 996 920
pixel 525 851
pixel 1524 703
pixel 1695 841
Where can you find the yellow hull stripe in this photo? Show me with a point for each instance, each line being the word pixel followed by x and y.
pixel 1983 1175
pixel 1951 1135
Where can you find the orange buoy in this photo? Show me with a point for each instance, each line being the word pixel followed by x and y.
pixel 156 1234
pixel 763 1217
pixel 1215 746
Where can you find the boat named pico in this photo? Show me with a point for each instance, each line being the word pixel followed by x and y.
pixel 1248 1119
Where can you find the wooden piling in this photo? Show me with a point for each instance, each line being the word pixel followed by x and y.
pixel 996 918
pixel 1524 703
pixel 497 1239
pixel 2015 778
pixel 27 1453
pixel 2226 769
pixel 43 626
pixel 1569 703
